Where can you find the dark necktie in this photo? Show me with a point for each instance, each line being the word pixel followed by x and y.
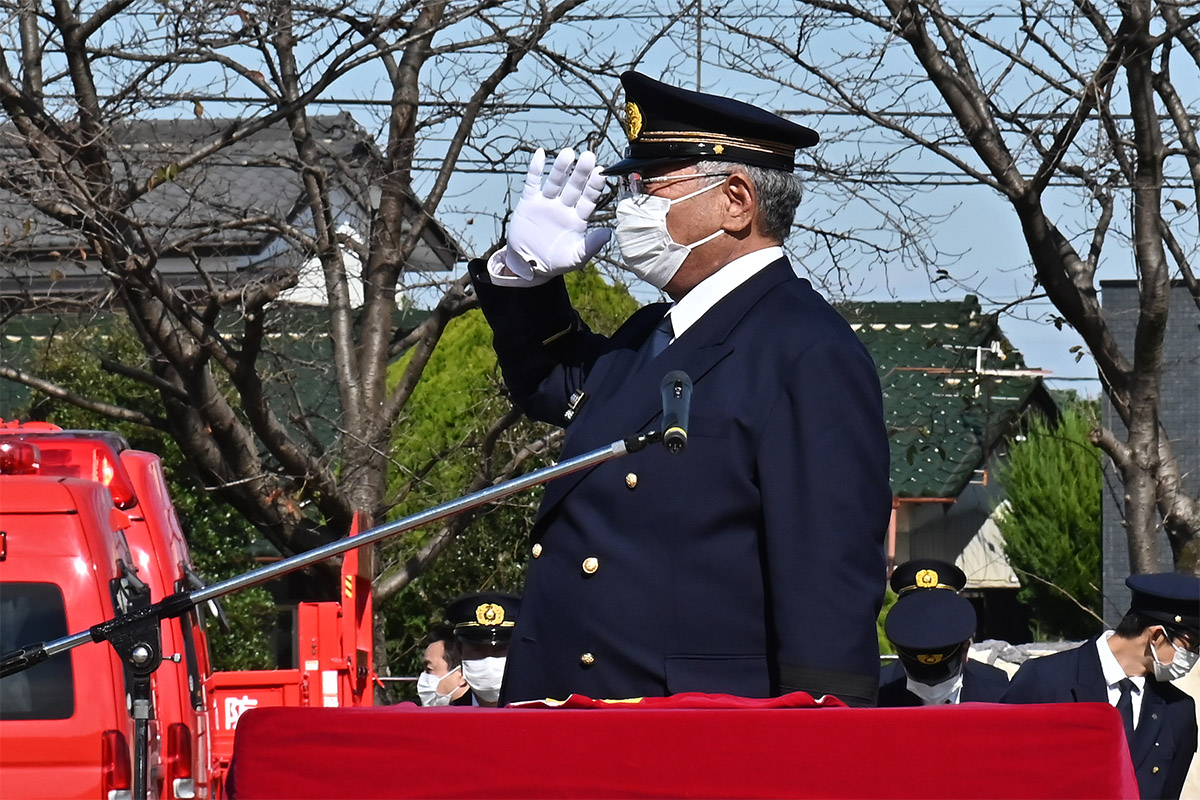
pixel 1125 706
pixel 660 337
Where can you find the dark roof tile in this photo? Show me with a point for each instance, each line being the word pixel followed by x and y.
pixel 943 416
pixel 255 176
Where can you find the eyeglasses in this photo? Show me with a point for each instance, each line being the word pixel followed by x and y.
pixel 1186 639
pixel 634 185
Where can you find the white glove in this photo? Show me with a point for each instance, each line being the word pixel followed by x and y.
pixel 548 234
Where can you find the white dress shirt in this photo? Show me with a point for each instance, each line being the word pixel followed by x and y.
pixel 1114 673
pixel 706 294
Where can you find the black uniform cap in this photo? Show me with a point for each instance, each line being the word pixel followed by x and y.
pixel 928 629
pixel 484 617
pixel 669 125
pixel 927 573
pixel 1169 597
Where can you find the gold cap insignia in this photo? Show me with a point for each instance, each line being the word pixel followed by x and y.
pixel 489 614
pixel 927 579
pixel 1178 618
pixel 718 149
pixel 930 658
pixel 633 120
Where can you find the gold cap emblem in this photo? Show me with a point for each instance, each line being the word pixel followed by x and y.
pixel 633 120
pixel 930 658
pixel 927 579
pixel 489 614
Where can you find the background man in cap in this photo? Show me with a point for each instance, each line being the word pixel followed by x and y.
pixel 932 627
pixel 1129 668
pixel 483 624
pixel 751 563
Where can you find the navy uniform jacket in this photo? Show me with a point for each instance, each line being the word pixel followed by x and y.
pixel 752 562
pixel 1164 740
pixel 468 699
pixel 982 683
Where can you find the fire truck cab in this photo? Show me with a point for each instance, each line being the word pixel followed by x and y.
pixel 181 754
pixel 65 565
pixel 196 709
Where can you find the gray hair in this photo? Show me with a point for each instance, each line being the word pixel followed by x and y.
pixel 778 194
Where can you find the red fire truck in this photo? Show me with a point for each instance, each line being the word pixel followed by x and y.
pixel 196 709
pixel 64 566
pixel 333 668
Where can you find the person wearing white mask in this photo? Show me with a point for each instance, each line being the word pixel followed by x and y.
pixel 932 630
pixel 750 563
pixel 932 627
pixel 441 683
pixel 483 624
pixel 1130 667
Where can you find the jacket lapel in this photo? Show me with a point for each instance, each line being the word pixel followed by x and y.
pixel 1150 722
pixel 625 391
pixel 1091 686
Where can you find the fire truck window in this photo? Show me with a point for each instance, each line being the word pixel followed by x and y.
pixel 31 613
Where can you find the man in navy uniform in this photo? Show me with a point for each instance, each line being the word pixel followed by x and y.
pixel 752 562
pixel 483 624
pixel 1130 668
pixel 932 627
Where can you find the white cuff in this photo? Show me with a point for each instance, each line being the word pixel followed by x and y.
pixel 506 270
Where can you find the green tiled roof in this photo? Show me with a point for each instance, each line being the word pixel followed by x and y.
pixel 944 417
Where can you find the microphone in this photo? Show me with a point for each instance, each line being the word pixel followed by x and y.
pixel 677 404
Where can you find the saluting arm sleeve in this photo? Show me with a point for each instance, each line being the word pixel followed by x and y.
pixel 543 347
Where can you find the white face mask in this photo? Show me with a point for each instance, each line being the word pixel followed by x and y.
pixel 1179 666
pixel 484 676
pixel 646 246
pixel 427 688
pixel 938 693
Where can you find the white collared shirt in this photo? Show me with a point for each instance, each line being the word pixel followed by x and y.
pixel 694 305
pixel 1114 673
pixel 706 294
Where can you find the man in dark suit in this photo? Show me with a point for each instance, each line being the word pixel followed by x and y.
pixel 441 682
pixel 483 624
pixel 932 627
pixel 1129 668
pixel 752 562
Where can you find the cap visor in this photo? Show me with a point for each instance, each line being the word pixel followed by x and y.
pixel 628 165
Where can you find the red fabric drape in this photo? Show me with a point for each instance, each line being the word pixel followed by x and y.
pixel 689 746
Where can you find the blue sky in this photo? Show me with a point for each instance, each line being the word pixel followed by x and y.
pixel 977 234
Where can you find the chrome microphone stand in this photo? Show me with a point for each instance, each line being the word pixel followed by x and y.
pixel 136 635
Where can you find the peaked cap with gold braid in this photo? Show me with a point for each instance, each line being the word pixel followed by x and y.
pixel 484 617
pixel 927 573
pixel 928 630
pixel 668 125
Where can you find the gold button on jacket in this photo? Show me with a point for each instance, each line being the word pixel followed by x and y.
pixel 591 564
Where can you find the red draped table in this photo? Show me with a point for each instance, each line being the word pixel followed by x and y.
pixel 691 746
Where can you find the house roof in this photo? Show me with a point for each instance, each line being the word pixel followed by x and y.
pixel 953 387
pixel 256 177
